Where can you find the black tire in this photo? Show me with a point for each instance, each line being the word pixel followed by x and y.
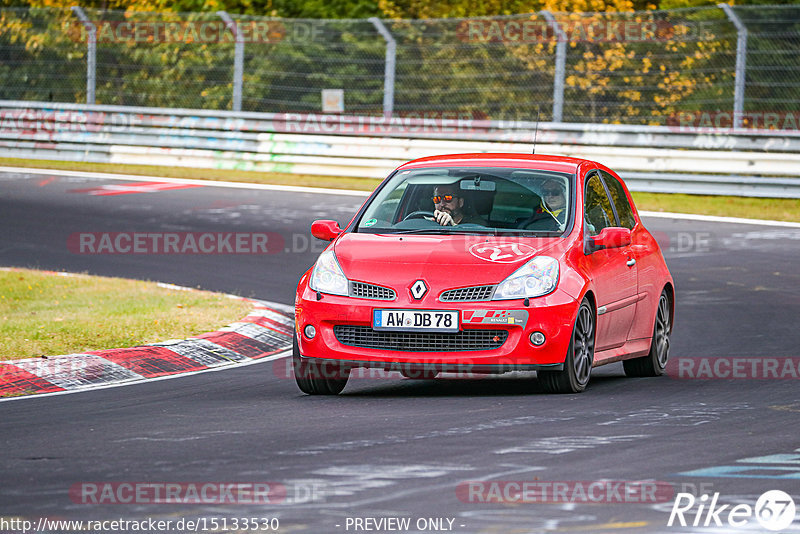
pixel 318 378
pixel 656 360
pixel 580 356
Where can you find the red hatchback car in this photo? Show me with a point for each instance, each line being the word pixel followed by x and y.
pixel 486 263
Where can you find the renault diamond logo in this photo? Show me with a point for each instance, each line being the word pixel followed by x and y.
pixel 419 289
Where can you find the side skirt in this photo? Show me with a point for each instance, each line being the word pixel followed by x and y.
pixel 632 349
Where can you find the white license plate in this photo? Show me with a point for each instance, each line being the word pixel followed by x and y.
pixel 416 320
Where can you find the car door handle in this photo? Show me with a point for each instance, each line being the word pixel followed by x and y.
pixel 631 262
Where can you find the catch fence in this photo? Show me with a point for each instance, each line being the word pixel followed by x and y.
pixel 706 67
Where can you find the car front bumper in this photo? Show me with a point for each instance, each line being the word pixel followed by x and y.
pixel 334 316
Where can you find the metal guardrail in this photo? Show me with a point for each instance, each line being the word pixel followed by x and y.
pixel 657 159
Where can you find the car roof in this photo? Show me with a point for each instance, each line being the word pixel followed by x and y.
pixel 537 161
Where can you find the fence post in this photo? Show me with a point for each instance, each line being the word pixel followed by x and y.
pixel 91 54
pixel 741 64
pixel 238 59
pixel 561 62
pixel 388 74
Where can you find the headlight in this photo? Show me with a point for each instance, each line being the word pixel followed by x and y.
pixel 536 278
pixel 327 276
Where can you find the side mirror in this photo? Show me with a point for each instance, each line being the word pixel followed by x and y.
pixel 612 237
pixel 325 230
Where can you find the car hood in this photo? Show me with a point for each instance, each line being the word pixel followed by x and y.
pixel 443 261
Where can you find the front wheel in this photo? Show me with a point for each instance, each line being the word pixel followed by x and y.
pixel 580 355
pixel 656 360
pixel 318 378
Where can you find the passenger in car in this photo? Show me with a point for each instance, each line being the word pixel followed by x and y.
pixel 550 212
pixel 555 199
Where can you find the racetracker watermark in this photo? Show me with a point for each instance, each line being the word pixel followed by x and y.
pixel 684 242
pixel 175 243
pixel 572 30
pixel 181 32
pixel 573 491
pixel 177 493
pixel 45 122
pixel 431 122
pixel 287 369
pixel 720 121
pixel 734 368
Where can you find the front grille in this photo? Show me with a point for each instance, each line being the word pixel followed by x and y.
pixel 466 340
pixel 371 291
pixel 467 294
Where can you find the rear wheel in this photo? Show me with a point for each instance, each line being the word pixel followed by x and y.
pixel 318 378
pixel 656 360
pixel 580 355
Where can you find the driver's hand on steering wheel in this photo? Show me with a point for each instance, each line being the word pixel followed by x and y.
pixel 444 218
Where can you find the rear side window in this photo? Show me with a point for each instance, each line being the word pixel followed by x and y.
pixel 620 199
pixel 597 208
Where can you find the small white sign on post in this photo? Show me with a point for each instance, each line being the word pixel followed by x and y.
pixel 333 100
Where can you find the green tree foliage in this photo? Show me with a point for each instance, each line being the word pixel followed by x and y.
pixel 443 66
pixel 400 9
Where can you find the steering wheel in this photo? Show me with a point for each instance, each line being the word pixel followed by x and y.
pixel 420 214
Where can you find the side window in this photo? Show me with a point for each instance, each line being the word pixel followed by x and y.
pixel 624 210
pixel 597 208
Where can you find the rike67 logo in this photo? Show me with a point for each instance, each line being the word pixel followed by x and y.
pixel 774 510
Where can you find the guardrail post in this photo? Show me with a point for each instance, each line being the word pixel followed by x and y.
pixel 389 70
pixel 238 59
pixel 741 64
pixel 91 54
pixel 561 63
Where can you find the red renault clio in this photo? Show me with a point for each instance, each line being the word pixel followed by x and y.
pixel 486 263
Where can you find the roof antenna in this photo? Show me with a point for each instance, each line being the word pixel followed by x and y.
pixel 536 131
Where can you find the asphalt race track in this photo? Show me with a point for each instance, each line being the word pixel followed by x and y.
pixel 430 452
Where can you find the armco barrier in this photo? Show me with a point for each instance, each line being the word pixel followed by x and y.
pixel 656 159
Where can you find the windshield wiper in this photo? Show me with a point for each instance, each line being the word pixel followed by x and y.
pixel 448 230
pixel 434 231
pixel 451 230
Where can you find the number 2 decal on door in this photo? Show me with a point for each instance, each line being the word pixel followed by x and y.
pixel 502 252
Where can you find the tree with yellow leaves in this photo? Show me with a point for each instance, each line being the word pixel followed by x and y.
pixel 622 65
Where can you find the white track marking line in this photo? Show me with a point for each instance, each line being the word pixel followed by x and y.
pixel 187 181
pixel 712 218
pixel 328 191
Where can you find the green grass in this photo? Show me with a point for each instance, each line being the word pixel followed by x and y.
pixel 774 209
pixel 43 313
pixel 777 209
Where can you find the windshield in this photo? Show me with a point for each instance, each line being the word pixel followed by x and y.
pixel 471 200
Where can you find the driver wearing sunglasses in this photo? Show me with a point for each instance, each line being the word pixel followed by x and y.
pixel 449 207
